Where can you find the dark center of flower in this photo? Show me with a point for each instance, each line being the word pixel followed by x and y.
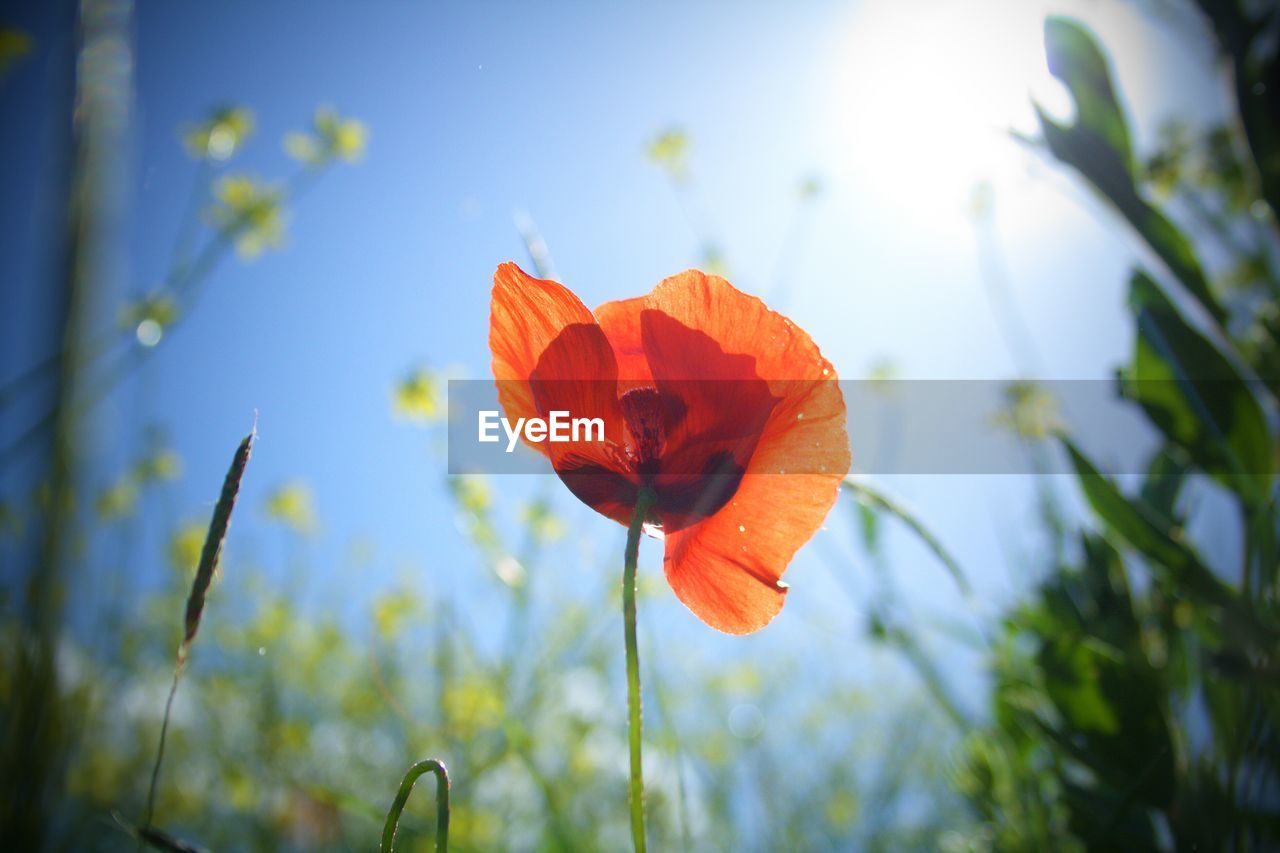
pixel 644 414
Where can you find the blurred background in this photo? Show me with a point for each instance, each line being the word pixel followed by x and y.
pixel 216 215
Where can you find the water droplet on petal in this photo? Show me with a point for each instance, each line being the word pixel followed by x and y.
pixel 800 416
pixel 742 528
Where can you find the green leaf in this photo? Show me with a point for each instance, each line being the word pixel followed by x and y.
pixel 1075 59
pixel 1071 669
pixel 1166 475
pixel 1109 821
pixel 1195 396
pixel 869 524
pixel 1111 719
pixel 1097 146
pixel 1246 34
pixel 1138 527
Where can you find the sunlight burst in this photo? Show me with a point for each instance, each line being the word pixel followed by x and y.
pixel 923 98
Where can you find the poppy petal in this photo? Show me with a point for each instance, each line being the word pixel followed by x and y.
pixel 740 323
pixel 722 567
pixel 717 418
pixel 620 320
pixel 727 568
pixel 526 315
pixel 806 431
pixel 576 378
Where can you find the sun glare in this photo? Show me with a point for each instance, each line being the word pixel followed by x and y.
pixel 923 96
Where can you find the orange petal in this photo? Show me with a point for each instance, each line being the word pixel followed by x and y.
pixel 620 320
pixel 726 568
pixel 740 324
pixel 526 314
pixel 806 432
pixel 714 421
pixel 576 375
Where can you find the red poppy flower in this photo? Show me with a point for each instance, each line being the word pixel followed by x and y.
pixel 726 411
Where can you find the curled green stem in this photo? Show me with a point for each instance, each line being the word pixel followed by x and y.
pixel 431 765
pixel 643 503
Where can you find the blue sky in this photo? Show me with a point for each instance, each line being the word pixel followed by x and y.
pixel 479 110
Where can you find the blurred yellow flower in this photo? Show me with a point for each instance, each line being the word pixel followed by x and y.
pixel 472 493
pixel 161 465
pixel 883 370
pixel 117 500
pixel 185 545
pixel 669 151
pixel 250 213
pixel 120 499
pixel 291 504
pixel 543 524
pixel 14 44
pixel 417 396
pixel 810 188
pixel 149 317
pixel 331 137
pixel 1029 411
pixel 391 611
pixel 220 135
pixel 472 706
pixel 713 260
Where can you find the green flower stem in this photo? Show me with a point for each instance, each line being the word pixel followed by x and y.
pixel 643 503
pixel 431 765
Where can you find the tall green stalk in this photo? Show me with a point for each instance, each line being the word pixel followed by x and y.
pixel 39 720
pixel 643 503
pixel 210 554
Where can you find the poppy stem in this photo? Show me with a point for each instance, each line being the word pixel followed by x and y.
pixel 644 501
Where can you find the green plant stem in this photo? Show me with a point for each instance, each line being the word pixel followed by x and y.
pixel 643 502
pixel 164 731
pixel 431 765
pixel 873 497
